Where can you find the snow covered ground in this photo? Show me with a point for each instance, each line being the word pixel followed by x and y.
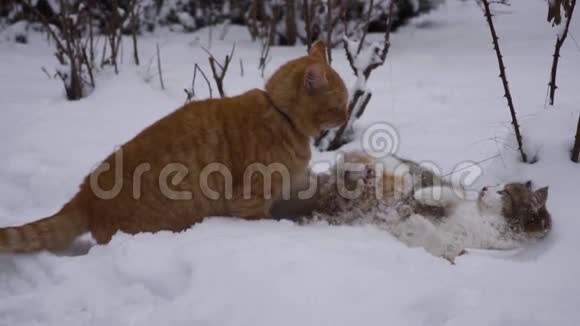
pixel 441 92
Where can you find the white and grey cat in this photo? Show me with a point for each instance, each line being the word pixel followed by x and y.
pixel 502 217
pixel 421 210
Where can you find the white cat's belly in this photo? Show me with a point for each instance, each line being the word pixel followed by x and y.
pixel 447 237
pixel 475 230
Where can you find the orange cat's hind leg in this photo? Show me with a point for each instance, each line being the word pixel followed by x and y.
pixel 252 209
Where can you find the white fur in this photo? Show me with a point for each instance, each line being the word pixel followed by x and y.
pixel 476 224
pixel 470 224
pixel 442 196
pixel 417 231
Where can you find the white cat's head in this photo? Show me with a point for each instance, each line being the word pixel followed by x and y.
pixel 523 208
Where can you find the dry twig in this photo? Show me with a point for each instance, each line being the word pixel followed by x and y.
pixel 159 69
pixel 191 93
pixel 307 22
pixel 223 69
pixel 329 30
pixel 69 45
pixel 503 76
pixel 264 55
pixel 360 99
pixel 576 148
pixel 559 43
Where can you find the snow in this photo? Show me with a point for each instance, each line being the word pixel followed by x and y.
pixel 14 31
pixel 438 88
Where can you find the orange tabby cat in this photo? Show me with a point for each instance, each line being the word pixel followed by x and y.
pixel 273 126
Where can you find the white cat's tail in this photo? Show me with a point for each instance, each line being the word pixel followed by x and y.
pixel 440 196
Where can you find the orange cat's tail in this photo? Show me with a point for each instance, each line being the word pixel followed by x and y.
pixel 52 233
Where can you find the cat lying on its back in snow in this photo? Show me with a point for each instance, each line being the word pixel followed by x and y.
pixel 421 210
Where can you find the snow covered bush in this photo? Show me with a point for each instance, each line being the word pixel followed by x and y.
pixel 286 18
pixel 362 60
pixel 76 24
pixel 285 22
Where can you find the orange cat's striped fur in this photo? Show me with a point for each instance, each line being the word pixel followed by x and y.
pixel 273 126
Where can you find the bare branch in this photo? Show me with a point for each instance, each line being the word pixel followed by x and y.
pixel 46 72
pixel 89 66
pixel 134 28
pixel 576 148
pixel 253 20
pixel 559 43
pixel 360 99
pixel 104 53
pixel 264 56
pixel 307 22
pixel 159 69
pixel 91 43
pixel 69 45
pixel 349 55
pixel 223 69
pixel 503 76
pixel 45 23
pixel 329 30
pixel 191 93
pixel 366 28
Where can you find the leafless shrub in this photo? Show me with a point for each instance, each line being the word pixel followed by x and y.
pixel 116 19
pixel 264 55
pixel 223 69
pixel 355 51
pixel 70 48
pixel 291 25
pixel 576 148
pixel 555 16
pixel 225 28
pixel 191 92
pixel 159 68
pixel 326 20
pixel 104 53
pixel 329 29
pixel 503 76
pixel 308 12
pixel 43 69
pixel 241 67
pixel 253 20
pixel 134 21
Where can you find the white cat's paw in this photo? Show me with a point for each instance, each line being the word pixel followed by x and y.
pixel 436 196
pixel 452 251
pixel 429 196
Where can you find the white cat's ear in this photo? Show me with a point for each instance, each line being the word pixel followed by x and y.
pixel 540 197
pixel 314 78
pixel 318 50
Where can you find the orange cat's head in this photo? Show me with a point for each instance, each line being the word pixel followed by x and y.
pixel 310 92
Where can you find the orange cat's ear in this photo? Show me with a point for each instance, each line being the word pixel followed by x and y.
pixel 314 78
pixel 318 50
